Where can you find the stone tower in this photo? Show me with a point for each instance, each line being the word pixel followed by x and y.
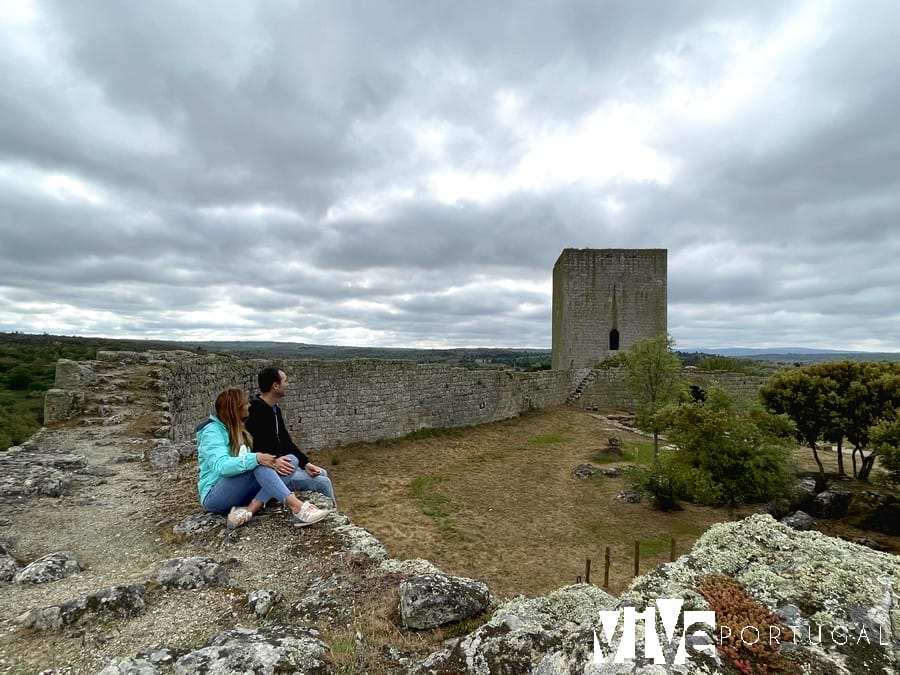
pixel 605 300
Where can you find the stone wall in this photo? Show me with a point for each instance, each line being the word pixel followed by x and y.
pixel 606 388
pixel 331 403
pixel 600 291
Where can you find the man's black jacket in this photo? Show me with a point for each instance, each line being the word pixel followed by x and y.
pixel 266 425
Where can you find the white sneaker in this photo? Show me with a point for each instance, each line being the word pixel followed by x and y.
pixel 309 513
pixel 237 517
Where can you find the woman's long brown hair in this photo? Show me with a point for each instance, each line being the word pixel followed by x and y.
pixel 229 409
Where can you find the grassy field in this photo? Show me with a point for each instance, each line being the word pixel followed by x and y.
pixel 499 502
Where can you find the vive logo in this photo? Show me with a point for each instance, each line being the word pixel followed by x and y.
pixel 669 612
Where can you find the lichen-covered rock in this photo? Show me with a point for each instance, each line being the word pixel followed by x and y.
pixel 261 601
pixel 8 567
pixel 831 583
pixel 840 600
pixel 584 471
pixel 198 524
pixel 357 540
pixel 50 567
pixel 118 602
pixel 193 572
pixel 432 600
pixel 269 650
pixel 162 455
pixel 539 635
pixel 130 666
pixel 413 566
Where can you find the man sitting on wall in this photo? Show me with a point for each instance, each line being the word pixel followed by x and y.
pixel 266 425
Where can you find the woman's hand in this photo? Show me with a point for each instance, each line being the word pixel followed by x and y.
pixel 265 459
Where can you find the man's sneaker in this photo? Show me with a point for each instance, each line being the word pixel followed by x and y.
pixel 309 513
pixel 238 516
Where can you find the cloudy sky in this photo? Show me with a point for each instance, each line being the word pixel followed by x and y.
pixel 398 173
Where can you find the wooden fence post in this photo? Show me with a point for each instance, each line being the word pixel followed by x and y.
pixel 606 569
pixel 587 571
pixel 637 557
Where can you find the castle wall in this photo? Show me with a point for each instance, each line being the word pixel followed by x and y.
pixel 597 291
pixel 337 402
pixel 608 390
pixel 330 403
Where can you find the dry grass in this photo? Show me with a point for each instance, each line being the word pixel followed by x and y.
pixel 499 503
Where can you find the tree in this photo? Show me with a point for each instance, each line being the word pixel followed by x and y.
pixel 799 394
pixel 653 374
pixel 836 401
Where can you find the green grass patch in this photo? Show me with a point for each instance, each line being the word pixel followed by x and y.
pixel 549 439
pixel 437 505
pixel 654 546
pixel 607 456
pixel 603 533
pixel 639 452
pixel 688 529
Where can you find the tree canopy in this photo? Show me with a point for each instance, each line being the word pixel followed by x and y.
pixel 837 401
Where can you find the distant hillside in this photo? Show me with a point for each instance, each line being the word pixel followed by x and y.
pixel 525 359
pixel 802 355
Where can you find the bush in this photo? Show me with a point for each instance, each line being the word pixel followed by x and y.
pixel 657 481
pixel 725 458
pixel 885 440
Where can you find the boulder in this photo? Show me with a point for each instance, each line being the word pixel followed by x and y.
pixel 50 567
pixel 432 600
pixel 584 471
pixel 162 455
pixel 9 567
pixel 193 572
pixel 271 649
pixel 117 602
pixel 527 635
pixel 261 601
pixel 832 503
pixel 799 520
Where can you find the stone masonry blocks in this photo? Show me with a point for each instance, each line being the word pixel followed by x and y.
pixel 605 300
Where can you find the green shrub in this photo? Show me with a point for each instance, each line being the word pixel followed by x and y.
pixel 657 481
pixel 724 457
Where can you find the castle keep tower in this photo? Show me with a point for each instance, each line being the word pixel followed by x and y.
pixel 605 300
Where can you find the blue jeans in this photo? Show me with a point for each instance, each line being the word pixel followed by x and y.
pixel 300 480
pixel 262 483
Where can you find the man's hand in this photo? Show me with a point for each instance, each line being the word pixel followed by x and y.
pixel 312 469
pixel 283 466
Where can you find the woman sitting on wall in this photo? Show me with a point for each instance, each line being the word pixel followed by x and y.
pixel 234 479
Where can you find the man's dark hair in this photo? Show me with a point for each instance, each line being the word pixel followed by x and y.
pixel 267 377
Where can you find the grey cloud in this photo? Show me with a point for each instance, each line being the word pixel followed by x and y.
pixel 268 156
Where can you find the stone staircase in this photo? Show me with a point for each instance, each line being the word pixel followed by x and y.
pixel 582 385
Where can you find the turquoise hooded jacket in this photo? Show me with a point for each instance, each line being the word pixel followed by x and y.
pixel 215 458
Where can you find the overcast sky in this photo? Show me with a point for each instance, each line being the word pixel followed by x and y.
pixel 405 174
